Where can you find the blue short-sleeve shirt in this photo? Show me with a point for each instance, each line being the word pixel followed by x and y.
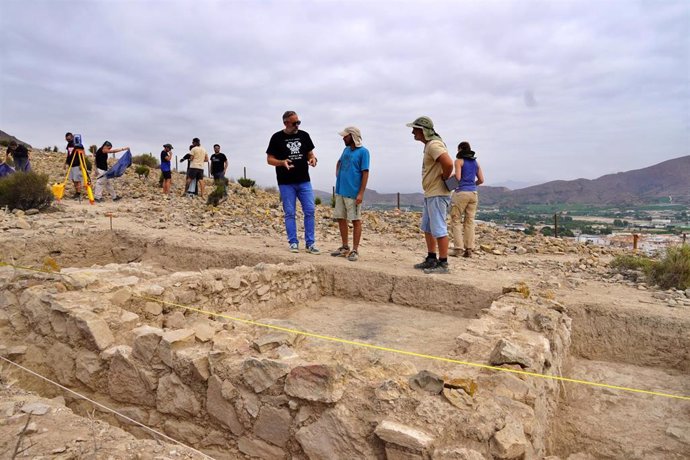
pixel 352 164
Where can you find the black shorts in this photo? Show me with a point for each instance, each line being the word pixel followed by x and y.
pixel 167 174
pixel 218 175
pixel 195 173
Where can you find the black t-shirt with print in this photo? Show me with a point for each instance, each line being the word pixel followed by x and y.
pixel 101 160
pixel 218 162
pixel 73 152
pixel 70 148
pixel 20 152
pixel 293 147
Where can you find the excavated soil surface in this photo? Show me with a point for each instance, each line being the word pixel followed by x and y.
pixel 619 335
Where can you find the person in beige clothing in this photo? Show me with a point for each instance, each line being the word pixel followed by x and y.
pixel 198 158
pixel 464 200
pixel 437 166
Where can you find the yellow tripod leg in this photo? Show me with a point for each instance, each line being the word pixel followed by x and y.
pixel 85 176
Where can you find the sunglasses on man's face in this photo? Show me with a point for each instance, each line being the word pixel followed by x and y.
pixel 296 123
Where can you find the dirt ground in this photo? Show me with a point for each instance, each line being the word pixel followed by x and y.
pixel 622 333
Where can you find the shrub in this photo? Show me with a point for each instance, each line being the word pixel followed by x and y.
pixel 93 149
pixel 631 262
pixel 673 270
pixel 332 201
pixel 218 194
pixel 145 160
pixel 55 149
pixel 246 182
pixel 317 200
pixel 142 171
pixel 161 179
pixel 25 191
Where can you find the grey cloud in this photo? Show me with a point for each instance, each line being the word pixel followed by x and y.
pixel 542 90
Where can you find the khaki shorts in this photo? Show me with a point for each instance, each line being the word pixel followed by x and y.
pixel 75 174
pixel 345 208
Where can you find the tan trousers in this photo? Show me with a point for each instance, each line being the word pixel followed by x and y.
pixel 462 230
pixel 102 183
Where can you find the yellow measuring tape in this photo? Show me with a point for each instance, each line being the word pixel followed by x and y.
pixel 392 350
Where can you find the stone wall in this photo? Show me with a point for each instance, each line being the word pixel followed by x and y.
pixel 234 389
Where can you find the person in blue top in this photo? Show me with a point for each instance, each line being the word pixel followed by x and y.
pixel 166 170
pixel 464 201
pixel 352 175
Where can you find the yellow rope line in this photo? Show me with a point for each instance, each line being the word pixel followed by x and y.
pixel 395 350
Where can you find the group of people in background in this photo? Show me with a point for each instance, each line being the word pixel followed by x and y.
pixel 79 177
pixel 197 158
pixel 291 152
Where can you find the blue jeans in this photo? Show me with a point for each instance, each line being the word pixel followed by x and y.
pixel 21 164
pixel 289 194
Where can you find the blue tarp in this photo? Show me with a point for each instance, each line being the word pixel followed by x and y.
pixel 120 167
pixel 5 170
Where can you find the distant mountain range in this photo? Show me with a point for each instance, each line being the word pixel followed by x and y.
pixel 668 181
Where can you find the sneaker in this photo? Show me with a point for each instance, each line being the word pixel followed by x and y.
pixel 428 263
pixel 98 200
pixel 353 256
pixel 342 251
pixel 117 198
pixel 468 253
pixel 441 268
pixel 313 250
pixel 294 247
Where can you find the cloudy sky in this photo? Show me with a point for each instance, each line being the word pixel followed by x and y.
pixel 542 90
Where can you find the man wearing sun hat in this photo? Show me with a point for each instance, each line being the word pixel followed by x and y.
pixel 437 166
pixel 352 174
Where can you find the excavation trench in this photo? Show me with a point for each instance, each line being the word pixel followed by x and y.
pixel 113 326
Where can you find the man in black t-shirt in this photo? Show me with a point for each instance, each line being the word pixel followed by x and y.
pixel 291 151
pixel 72 162
pixel 219 163
pixel 20 156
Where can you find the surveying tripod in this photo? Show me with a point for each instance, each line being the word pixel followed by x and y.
pixel 78 152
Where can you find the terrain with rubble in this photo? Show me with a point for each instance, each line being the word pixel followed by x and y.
pixel 197 322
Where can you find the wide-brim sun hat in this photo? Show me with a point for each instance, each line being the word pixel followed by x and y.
pixel 356 135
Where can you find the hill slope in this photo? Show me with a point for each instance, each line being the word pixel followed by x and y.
pixel 5 139
pixel 670 178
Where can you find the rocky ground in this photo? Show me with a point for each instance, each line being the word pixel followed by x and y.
pixel 39 428
pixel 163 246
